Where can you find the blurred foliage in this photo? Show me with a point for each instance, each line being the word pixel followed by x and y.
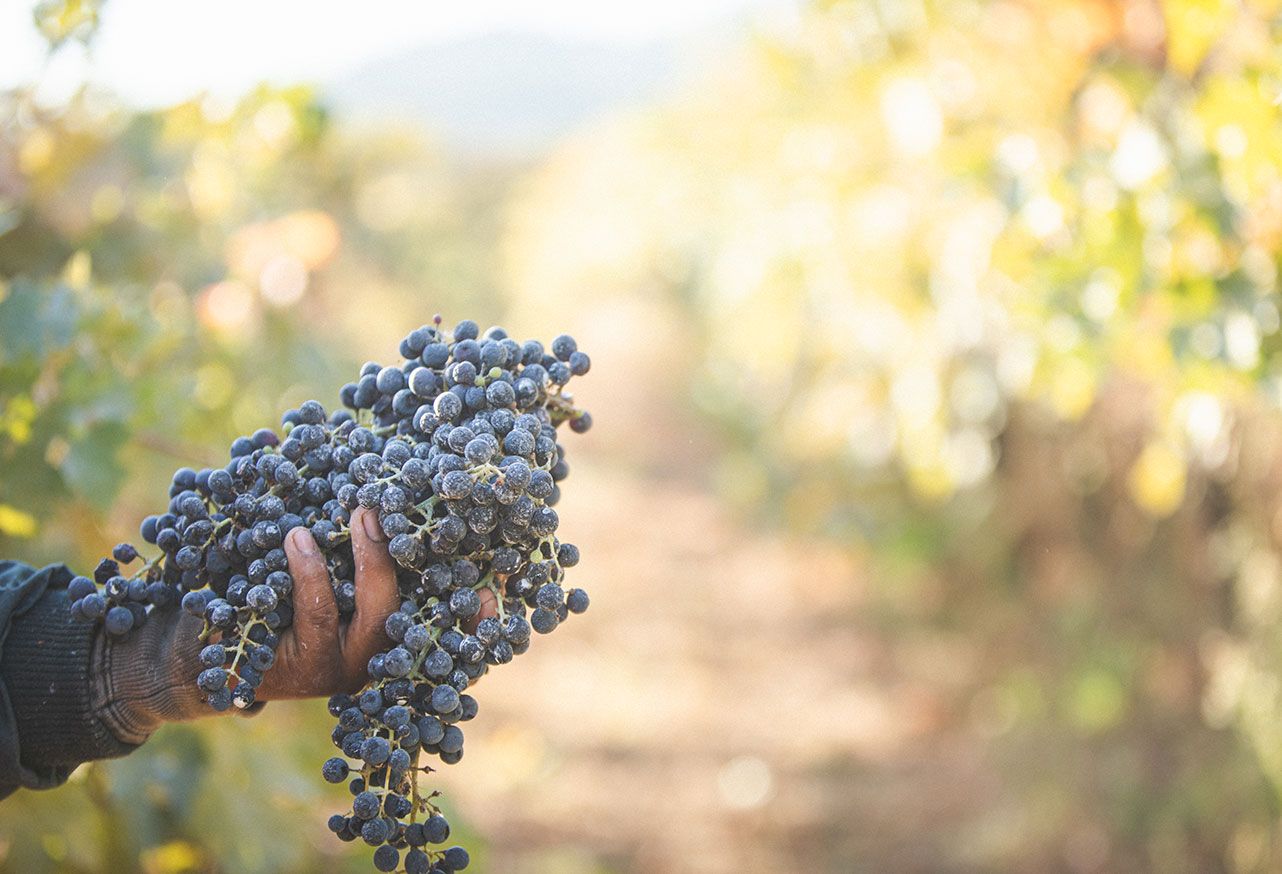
pixel 173 279
pixel 169 280
pixel 61 20
pixel 986 292
pixel 990 290
pixel 923 213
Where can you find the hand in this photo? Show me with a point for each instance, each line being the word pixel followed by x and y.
pixel 317 654
pixel 146 679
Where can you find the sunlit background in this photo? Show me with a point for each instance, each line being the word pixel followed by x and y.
pixel 933 513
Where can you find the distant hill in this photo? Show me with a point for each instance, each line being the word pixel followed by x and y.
pixel 508 92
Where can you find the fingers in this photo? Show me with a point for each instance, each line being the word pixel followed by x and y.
pixel 376 594
pixel 315 611
pixel 308 660
pixel 489 607
pixel 489 604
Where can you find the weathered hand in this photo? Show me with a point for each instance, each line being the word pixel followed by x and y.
pixel 148 677
pixel 317 654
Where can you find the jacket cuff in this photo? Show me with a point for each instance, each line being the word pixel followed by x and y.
pixel 147 678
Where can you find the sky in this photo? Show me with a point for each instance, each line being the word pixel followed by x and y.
pixel 158 52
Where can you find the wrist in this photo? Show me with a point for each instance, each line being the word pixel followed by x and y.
pixel 147 678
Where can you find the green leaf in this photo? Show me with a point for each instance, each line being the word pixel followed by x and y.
pixel 35 319
pixel 91 467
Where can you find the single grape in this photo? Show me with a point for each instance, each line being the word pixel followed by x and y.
pixel 430 730
pixel 212 679
pixel 465 603
pixel 457 858
pixel 451 739
pixel 371 701
pixel 416 638
pixel 576 600
pixel 374 832
pixel 563 346
pixel 396 716
pixel 366 805
pixel 549 597
pixel 444 699
pixel 417 862
pixel 398 662
pixel 243 695
pixel 334 770
pixel 124 553
pixel 119 621
pixel 93 606
pixel 376 750
pixel 397 624
pixel 543 621
pixel 79 587
pixel 386 858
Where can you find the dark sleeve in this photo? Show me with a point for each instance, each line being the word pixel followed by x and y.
pixel 48 724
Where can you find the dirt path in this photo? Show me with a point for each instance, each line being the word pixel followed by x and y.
pixel 724 707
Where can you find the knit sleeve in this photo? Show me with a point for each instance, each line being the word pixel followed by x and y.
pixel 69 693
pixel 47 721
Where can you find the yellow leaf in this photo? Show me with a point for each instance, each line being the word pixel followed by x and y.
pixel 1097 701
pixel 16 418
pixel 62 20
pixel 1192 29
pixel 55 846
pixel 1156 480
pixel 1072 389
pixel 171 858
pixel 78 270
pixel 36 152
pixel 16 523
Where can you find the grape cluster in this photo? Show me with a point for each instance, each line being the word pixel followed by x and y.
pixel 457 450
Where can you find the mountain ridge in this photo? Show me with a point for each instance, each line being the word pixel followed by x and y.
pixel 507 91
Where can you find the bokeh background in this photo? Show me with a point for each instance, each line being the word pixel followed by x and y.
pixel 933 513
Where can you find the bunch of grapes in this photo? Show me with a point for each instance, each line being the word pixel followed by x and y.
pixel 457 449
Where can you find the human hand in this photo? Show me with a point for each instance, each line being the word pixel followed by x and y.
pixel 318 654
pixel 147 678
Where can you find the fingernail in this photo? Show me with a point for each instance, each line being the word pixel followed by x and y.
pixel 373 530
pixel 303 541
